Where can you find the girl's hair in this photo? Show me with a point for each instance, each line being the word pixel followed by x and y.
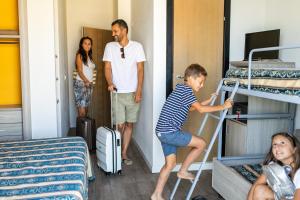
pixel 293 140
pixel 82 52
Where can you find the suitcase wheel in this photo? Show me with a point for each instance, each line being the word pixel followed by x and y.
pixel 120 172
pixel 107 173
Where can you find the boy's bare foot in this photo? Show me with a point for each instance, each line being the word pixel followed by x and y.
pixel 155 196
pixel 185 175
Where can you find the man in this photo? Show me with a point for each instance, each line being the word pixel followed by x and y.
pixel 124 72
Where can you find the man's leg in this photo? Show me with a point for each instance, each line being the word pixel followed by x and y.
pixel 131 115
pixel 126 139
pixel 198 145
pixel 163 176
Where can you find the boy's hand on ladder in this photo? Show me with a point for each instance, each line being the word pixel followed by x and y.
pixel 228 104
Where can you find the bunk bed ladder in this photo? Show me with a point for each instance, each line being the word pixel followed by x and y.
pixel 217 130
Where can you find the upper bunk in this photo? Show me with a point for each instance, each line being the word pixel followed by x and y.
pixel 280 84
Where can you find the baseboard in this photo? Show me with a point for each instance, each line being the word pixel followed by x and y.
pixel 141 152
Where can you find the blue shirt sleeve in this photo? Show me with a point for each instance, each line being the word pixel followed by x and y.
pixel 189 97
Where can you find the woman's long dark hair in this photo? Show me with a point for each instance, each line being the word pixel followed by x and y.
pixel 82 52
pixel 270 157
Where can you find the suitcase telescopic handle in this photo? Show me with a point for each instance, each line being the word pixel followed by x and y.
pixel 111 108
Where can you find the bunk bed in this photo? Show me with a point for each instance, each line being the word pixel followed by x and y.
pixel 56 168
pixel 229 172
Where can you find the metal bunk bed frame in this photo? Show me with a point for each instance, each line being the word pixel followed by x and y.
pixel 249 92
pixel 292 100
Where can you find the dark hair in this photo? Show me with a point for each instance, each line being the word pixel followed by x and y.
pixel 270 157
pixel 121 23
pixel 82 52
pixel 194 70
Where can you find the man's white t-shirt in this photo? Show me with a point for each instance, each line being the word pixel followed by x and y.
pixel 296 179
pixel 124 70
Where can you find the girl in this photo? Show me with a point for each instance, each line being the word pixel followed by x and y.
pixel 83 82
pixel 285 150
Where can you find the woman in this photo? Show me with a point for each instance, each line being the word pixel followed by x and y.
pixel 83 82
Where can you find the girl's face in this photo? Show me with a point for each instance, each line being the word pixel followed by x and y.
pixel 86 45
pixel 283 149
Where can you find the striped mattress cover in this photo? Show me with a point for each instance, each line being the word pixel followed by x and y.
pixel 278 81
pixel 249 172
pixel 57 168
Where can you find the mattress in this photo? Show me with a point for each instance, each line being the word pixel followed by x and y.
pixel 45 169
pixel 278 81
pixel 249 172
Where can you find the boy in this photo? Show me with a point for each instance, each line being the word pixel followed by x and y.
pixel 168 128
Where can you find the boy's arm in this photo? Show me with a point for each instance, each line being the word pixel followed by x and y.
pixel 192 108
pixel 205 109
pixel 206 102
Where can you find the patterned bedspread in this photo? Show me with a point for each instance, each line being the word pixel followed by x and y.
pixel 57 168
pixel 249 172
pixel 278 81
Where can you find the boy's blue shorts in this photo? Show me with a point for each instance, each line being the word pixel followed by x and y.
pixel 170 141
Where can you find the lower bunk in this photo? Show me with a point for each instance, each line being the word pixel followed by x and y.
pixel 232 179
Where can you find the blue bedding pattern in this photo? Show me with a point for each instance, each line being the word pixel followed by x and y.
pixel 249 172
pixel 286 74
pixel 56 168
pixel 273 90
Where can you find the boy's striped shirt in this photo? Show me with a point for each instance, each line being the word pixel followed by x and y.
pixel 175 109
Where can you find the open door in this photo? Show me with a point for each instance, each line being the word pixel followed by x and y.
pixel 198 38
pixel 100 107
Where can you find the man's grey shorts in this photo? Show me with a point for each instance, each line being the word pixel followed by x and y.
pixel 127 109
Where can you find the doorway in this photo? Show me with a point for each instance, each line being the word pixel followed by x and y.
pixel 197 37
pixel 100 105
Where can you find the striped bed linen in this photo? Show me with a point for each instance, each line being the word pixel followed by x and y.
pixel 278 81
pixel 57 168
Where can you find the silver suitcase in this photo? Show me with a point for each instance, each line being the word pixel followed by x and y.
pixel 108 150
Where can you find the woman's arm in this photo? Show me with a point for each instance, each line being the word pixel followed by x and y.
pixel 261 180
pixel 80 70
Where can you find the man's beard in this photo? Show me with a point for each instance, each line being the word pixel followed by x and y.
pixel 116 38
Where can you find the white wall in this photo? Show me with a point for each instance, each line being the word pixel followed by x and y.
pixel 42 68
pixel 144 128
pixel 259 15
pixel 124 12
pixel 246 16
pixel 62 86
pixel 148 20
pixel 159 74
pixel 285 15
pixel 91 13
